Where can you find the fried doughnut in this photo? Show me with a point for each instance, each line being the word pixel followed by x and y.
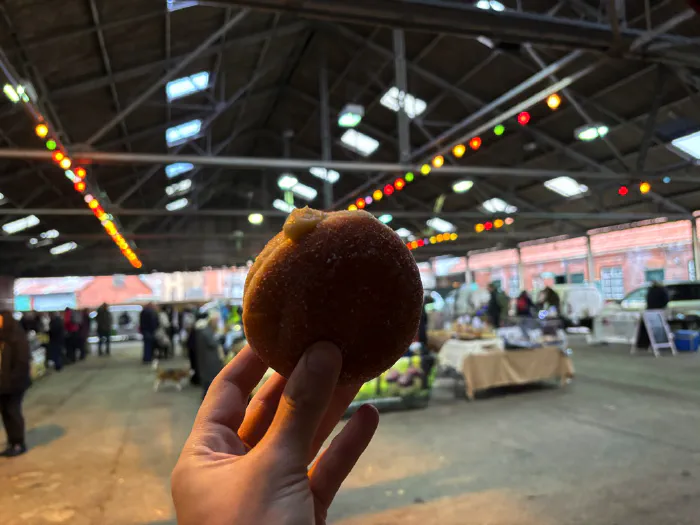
pixel 342 277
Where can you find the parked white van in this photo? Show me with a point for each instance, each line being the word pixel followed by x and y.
pixel 580 303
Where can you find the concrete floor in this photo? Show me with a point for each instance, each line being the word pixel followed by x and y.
pixel 618 446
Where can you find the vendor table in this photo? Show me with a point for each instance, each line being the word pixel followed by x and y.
pixel 500 368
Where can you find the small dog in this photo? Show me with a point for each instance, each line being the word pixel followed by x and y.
pixel 176 376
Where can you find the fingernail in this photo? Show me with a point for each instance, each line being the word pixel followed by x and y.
pixel 324 358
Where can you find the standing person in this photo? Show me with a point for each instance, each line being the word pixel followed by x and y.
pixel 71 327
pixel 208 349
pixel 104 328
pixel 56 340
pixel 14 381
pixel 163 334
pixel 550 299
pixel 83 333
pixel 493 311
pixel 148 324
pixel 524 305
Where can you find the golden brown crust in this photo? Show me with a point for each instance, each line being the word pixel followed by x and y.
pixel 349 280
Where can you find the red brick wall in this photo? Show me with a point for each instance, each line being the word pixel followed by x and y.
pixel 105 289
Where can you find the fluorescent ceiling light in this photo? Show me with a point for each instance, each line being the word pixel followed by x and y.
pixel 566 186
pixel 497 205
pixel 20 224
pixel 331 176
pixel 183 132
pixel 179 187
pixel 2 197
pixel 689 144
pixel 174 170
pixel 359 142
pixel 486 41
pixel 175 5
pixel 441 225
pixel 63 248
pixel 394 99
pixel 255 218
pixel 351 116
pixel 287 181
pixel 403 232
pixel 462 186
pixel 304 191
pixel 493 5
pixel 177 205
pixel 283 206
pixel 182 87
pixel 591 132
pixel 50 234
pixel 386 218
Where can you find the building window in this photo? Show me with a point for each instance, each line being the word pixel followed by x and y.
pixel 612 282
pixel 514 285
pixel 577 278
pixel 654 275
pixel 691 270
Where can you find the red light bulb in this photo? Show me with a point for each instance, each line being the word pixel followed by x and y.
pixel 80 172
pixel 79 187
pixel 523 118
pixel 623 190
pixel 420 243
pixel 399 184
pixel 388 189
pixel 488 225
pixel 360 203
pixel 475 143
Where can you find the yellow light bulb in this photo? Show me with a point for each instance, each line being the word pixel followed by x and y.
pixel 41 130
pixel 644 187
pixel 459 150
pixel 425 169
pixel 479 228
pixel 453 236
pixel 352 207
pixel 438 161
pixel 553 101
pixel 498 223
pixel 377 195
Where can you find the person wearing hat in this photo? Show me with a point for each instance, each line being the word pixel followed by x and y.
pixel 14 382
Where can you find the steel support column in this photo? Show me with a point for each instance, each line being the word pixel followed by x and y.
pixel 326 140
pixel 402 85
pixel 696 246
pixel 590 262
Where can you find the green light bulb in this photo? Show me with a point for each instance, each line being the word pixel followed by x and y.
pixel 499 130
pixel 50 145
pixel 409 177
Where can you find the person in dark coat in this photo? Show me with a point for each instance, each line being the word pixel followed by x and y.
pixel 207 349
pixel 493 310
pixel 104 328
pixel 71 326
pixel 83 333
pixel 148 323
pixel 14 381
pixel 657 299
pixel 657 296
pixel 56 340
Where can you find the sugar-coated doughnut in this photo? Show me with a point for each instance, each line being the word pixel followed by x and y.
pixel 342 277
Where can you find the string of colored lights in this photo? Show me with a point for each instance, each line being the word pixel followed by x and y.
pixel 437 162
pixel 435 239
pixel 523 118
pixel 75 173
pixel 494 224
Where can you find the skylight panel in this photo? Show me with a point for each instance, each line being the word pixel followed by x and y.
pixel 176 5
pixel 177 205
pixel 497 205
pixel 63 248
pixel 179 187
pixel 185 86
pixel 331 176
pixel 403 232
pixel 689 144
pixel 20 224
pixel 566 186
pixel 359 142
pixel 441 225
pixel 492 5
pixel 183 132
pixel 394 99
pixel 304 191
pixel 280 205
pixel 174 170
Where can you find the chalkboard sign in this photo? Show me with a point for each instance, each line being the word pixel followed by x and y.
pixel 659 332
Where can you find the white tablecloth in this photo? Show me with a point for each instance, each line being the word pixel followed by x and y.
pixel 454 352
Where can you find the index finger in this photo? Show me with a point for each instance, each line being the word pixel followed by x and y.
pixel 227 396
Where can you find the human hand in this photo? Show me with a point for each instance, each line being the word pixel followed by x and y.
pixel 249 466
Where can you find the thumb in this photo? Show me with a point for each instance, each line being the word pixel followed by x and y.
pixel 305 400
